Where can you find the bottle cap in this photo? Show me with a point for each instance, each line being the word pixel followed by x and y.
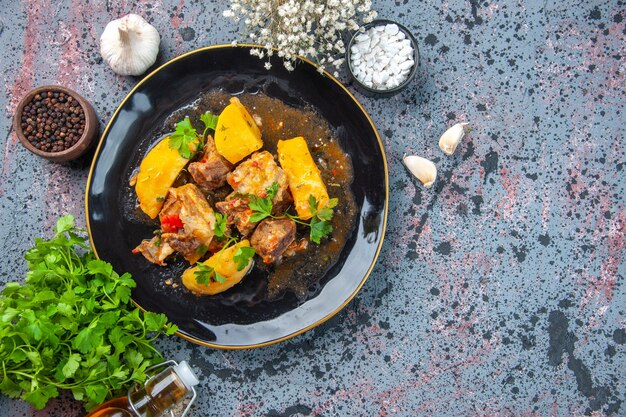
pixel 186 374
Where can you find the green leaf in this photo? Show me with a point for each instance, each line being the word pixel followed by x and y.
pixel 154 321
pixel 272 190
pixel 65 309
pixel 40 396
pixel 325 214
pixel 219 277
pixel 133 358
pixel 203 274
pixel 71 365
pixel 120 373
pixel 257 217
pixel 65 223
pixel 261 205
pixel 97 266
pixel 122 293
pixel 10 388
pixel 34 358
pixel 127 280
pixel 242 256
pixel 220 225
pixel 210 121
pixel 9 314
pixel 170 329
pixel 96 393
pixel 332 203
pixel 183 136
pixel 312 203
pixel 319 229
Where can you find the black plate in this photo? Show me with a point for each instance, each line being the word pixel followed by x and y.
pixel 234 320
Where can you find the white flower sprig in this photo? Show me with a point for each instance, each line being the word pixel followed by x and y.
pixel 311 28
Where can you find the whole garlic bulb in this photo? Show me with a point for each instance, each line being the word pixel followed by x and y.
pixel 129 45
pixel 422 168
pixel 452 137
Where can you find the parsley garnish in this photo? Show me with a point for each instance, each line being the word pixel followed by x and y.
pixel 206 274
pixel 210 122
pixel 319 224
pixel 72 325
pixel 183 136
pixel 157 233
pixel 220 225
pixel 242 257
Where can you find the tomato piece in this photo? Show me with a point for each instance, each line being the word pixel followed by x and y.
pixel 171 223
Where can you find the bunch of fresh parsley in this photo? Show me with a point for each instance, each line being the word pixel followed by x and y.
pixel 185 135
pixel 72 325
pixel 319 224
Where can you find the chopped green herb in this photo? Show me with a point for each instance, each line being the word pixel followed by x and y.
pixel 160 199
pixel 157 233
pixel 319 229
pixel 242 257
pixel 262 207
pixel 206 274
pixel 319 224
pixel 210 122
pixel 220 225
pixel 272 190
pixel 183 136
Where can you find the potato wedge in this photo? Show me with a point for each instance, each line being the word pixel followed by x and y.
pixel 236 135
pixel 225 265
pixel 157 173
pixel 303 175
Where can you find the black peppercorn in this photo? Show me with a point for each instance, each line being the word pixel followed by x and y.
pixel 53 121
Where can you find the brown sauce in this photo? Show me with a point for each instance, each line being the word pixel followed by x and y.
pixel 300 272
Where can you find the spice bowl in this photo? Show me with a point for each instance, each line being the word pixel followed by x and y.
pixel 382 57
pixel 55 123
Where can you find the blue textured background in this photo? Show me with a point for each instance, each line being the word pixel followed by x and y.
pixel 500 291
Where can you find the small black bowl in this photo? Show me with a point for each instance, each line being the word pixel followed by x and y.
pixel 410 76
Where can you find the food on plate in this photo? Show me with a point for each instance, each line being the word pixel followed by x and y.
pixel 220 272
pixel 227 200
pixel 272 237
pixel 187 223
pixel 157 172
pixel 253 177
pixel 210 171
pixel 237 134
pixel 303 175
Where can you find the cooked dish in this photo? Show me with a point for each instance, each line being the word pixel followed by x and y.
pixel 225 200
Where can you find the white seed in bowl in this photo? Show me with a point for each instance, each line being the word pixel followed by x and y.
pixel 382 57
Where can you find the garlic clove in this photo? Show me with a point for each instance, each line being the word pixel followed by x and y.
pixel 422 168
pixel 129 45
pixel 452 137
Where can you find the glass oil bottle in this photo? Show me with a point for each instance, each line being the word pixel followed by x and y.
pixel 159 394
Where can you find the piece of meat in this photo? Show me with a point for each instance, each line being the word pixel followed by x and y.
pixel 272 237
pixel 154 250
pixel 186 206
pixel 237 212
pixel 253 177
pixel 256 174
pixel 210 171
